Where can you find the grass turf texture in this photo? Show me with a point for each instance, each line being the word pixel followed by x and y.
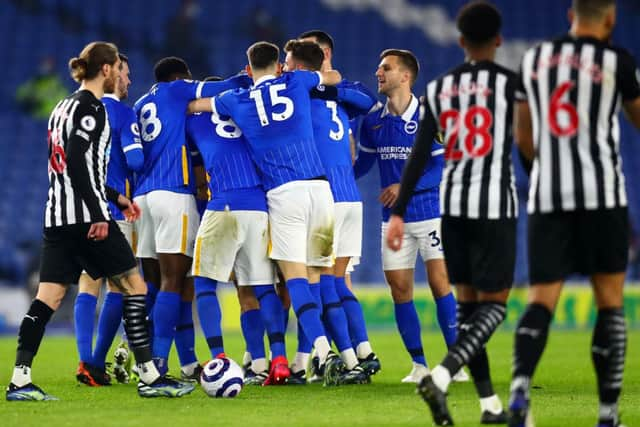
pixel 564 391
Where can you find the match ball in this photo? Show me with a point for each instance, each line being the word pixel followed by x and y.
pixel 221 377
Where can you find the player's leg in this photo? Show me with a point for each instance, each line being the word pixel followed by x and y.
pixel 552 251
pixel 214 255
pixel 185 335
pixel 608 259
pixel 608 345
pixel 430 242
pixel 58 267
pixel 30 336
pixel 253 332
pixel 176 219
pixel 84 313
pixel 399 273
pixel 109 321
pixel 254 271
pixel 290 209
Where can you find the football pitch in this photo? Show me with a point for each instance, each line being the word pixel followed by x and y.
pixel 564 392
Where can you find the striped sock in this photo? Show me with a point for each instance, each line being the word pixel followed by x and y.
pixel 134 313
pixel 474 334
pixel 409 327
pixel 479 364
pixel 531 338
pixel 608 354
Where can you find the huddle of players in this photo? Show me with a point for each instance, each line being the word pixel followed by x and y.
pixel 564 106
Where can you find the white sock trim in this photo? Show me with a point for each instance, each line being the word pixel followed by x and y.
pixel 363 350
pixel 349 358
pixel 21 376
pixel 441 377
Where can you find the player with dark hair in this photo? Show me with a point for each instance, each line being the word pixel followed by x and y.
pixel 125 157
pixel 472 105
pixel 79 232
pixel 274 116
pixel 330 124
pixel 348 239
pixel 566 122
pixel 165 192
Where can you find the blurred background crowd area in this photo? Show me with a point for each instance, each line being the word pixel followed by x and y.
pixel 39 37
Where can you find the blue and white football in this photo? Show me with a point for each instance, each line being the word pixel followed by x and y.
pixel 221 377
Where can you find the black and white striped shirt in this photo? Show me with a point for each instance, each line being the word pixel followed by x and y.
pixel 574 87
pixel 473 107
pixel 79 136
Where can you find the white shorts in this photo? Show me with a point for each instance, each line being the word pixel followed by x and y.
pixel 422 235
pixel 348 229
pixel 168 224
pixel 301 217
pixel 235 241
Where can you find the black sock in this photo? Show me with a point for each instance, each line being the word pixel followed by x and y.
pixel 32 331
pixel 478 365
pixel 473 335
pixel 134 314
pixel 531 337
pixel 608 352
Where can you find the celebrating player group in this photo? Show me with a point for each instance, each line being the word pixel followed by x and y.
pixel 252 180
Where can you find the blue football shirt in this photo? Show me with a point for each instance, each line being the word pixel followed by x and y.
pixel 161 115
pixel 233 179
pixel 388 139
pixel 275 118
pixel 125 150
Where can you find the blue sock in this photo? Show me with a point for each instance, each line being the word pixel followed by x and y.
pixel 166 313
pixel 152 293
pixel 409 327
pixel 446 308
pixel 285 314
pixel 84 313
pixel 271 313
pixel 253 331
pixel 209 313
pixel 185 336
pixel 317 297
pixel 306 309
pixel 353 310
pixel 108 324
pixel 334 313
pixel 304 346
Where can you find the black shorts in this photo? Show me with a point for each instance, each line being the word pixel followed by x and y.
pixel 66 251
pixel 480 252
pixel 584 242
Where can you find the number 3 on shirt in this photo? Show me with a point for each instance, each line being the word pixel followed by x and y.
pixel 276 99
pixel 477 121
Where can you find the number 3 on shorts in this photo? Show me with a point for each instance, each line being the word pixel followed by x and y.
pixel 435 240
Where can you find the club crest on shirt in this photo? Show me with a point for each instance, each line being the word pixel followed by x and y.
pixel 88 123
pixel 411 127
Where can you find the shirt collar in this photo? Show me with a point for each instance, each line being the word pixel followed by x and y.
pixel 111 95
pixel 264 79
pixel 407 116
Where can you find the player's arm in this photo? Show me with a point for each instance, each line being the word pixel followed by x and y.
pixel 628 76
pixel 130 141
pixel 209 89
pixel 129 208
pixel 367 153
pixel 330 78
pixel 421 153
pixel 88 125
pixel 632 111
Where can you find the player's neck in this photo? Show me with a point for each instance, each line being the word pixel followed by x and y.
pixel 398 102
pixel 258 74
pixel 480 54
pixel 326 66
pixel 95 86
pixel 583 28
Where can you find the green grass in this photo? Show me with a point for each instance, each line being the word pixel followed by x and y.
pixel 564 393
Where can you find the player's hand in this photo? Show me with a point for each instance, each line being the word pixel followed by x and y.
pixel 389 195
pixel 130 209
pixel 98 231
pixel 395 232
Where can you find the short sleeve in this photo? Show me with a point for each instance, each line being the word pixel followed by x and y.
pixel 628 77
pixel 367 144
pixel 221 104
pixel 520 92
pixel 186 90
pixel 89 121
pixel 308 79
pixel 130 133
